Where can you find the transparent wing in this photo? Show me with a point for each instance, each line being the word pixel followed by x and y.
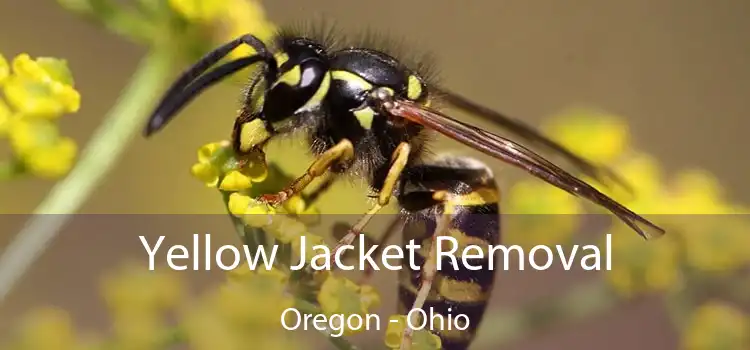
pixel 534 137
pixel 519 156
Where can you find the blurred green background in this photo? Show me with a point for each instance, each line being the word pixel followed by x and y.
pixel 675 70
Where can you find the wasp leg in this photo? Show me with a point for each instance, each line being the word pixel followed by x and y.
pixel 429 269
pixel 314 195
pixel 389 231
pixel 342 152
pixel 398 163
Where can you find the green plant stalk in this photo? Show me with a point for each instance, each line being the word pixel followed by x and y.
pixel 96 161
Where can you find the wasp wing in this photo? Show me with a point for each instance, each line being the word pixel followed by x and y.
pixel 517 155
pixel 530 134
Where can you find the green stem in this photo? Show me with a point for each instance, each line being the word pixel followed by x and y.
pixel 122 123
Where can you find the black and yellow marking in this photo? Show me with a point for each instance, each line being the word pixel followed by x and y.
pixel 473 199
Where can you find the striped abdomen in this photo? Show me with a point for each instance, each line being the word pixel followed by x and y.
pixel 457 289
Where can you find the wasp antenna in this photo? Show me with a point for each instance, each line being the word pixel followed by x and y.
pixel 186 87
pixel 169 107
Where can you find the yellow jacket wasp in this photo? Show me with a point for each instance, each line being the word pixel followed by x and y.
pixel 366 114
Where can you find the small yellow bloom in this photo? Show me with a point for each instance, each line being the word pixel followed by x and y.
pixel 541 214
pixel 199 10
pixel 40 99
pixel 294 205
pixel 421 339
pixel 4 69
pixel 45 69
pixel 6 116
pixel 258 301
pixel 339 295
pixel 125 293
pixel 244 17
pixel 48 328
pixel 239 203
pixel 235 181
pixel 207 151
pixel 286 230
pixel 27 135
pixel 206 329
pixel 215 160
pixel 278 277
pixel 715 243
pixel 53 161
pixel 258 215
pixel 42 87
pixel 697 192
pixel 597 136
pixel 41 148
pixel 138 330
pixel 206 173
pixel 640 266
pixel 716 325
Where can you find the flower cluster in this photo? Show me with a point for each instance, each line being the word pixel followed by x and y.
pixel 232 17
pixel 689 205
pixel 716 325
pixel 241 181
pixel 704 240
pixel 37 92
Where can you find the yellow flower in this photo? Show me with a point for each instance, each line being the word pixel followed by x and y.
pixel 125 293
pixel 597 136
pixel 39 145
pixel 41 88
pixel 256 301
pixel 541 214
pixel 207 152
pixel 138 330
pixel 216 160
pixel 640 266
pixel 244 17
pixel 6 117
pixel 286 230
pixel 697 192
pixel 294 205
pixel 235 181
pixel 716 325
pixel 715 243
pixel 4 69
pixel 421 339
pixel 48 328
pixel 239 203
pixel 206 173
pixel 199 10
pixel 54 161
pixel 339 295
